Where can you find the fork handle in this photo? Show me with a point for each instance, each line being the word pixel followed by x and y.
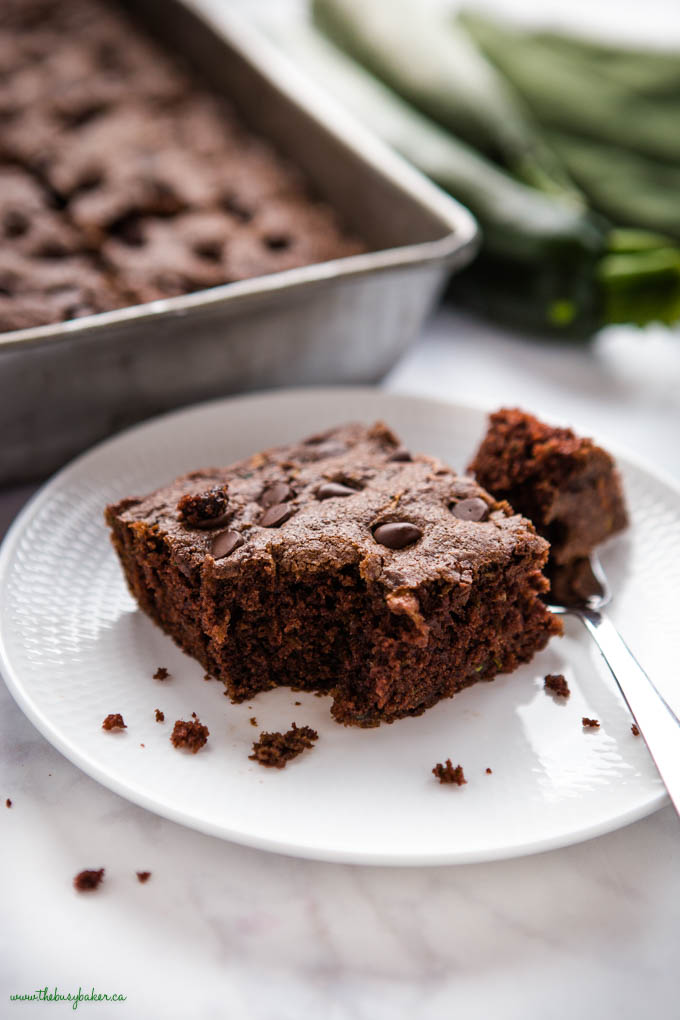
pixel 655 719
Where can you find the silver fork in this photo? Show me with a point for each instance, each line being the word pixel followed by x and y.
pixel 655 719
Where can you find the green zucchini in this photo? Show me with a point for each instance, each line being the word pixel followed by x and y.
pixel 620 98
pixel 547 247
pixel 545 265
pixel 438 70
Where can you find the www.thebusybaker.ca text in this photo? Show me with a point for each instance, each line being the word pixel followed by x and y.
pixel 45 995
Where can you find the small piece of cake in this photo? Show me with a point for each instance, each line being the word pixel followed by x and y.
pixel 190 735
pixel 86 881
pixel 569 487
pixel 114 721
pixel 342 565
pixel 590 724
pixel 449 773
pixel 557 685
pixel 275 750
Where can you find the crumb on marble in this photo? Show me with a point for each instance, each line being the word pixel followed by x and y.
pixel 161 673
pixel 160 716
pixel 143 876
pixel 86 881
pixel 590 724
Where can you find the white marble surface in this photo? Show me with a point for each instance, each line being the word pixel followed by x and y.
pixel 227 932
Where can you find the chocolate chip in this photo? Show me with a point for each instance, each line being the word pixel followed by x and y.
pixel 474 509
pixel 225 544
pixel 397 535
pixel 275 515
pixel 330 489
pixel 217 522
pixel 279 492
pixel 204 509
pixel 401 453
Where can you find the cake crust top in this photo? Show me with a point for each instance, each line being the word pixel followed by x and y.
pixel 349 496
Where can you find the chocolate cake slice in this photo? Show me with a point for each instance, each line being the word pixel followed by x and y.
pixel 568 486
pixel 339 564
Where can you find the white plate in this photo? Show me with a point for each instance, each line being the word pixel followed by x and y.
pixel 74 647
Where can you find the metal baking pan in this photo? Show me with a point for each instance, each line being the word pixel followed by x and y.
pixel 64 386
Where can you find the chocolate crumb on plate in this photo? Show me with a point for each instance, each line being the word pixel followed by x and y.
pixel 253 721
pixel 8 803
pixel 489 772
pixel 160 716
pixel 557 685
pixel 634 730
pixel 86 881
pixel 275 750
pixel 449 773
pixel 143 876
pixel 590 724
pixel 161 673
pixel 191 735
pixel 114 721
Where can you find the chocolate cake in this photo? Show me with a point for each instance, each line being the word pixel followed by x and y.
pixel 343 565
pixel 125 179
pixel 568 486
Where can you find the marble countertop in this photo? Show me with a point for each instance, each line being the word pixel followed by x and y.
pixel 227 932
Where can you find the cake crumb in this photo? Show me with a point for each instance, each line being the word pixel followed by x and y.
pixel 114 722
pixel 192 735
pixel 297 702
pixel 489 772
pixel 634 730
pixel 160 716
pixel 275 750
pixel 86 881
pixel 449 774
pixel 161 673
pixel 206 676
pixel 557 685
pixel 253 721
pixel 590 724
pixel 143 876
pixel 8 803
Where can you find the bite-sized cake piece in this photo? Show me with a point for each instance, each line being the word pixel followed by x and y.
pixel 341 564
pixel 568 486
